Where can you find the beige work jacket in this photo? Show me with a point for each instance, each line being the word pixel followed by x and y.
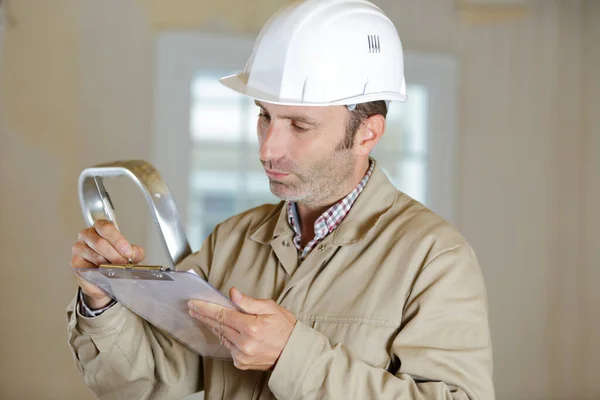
pixel 391 305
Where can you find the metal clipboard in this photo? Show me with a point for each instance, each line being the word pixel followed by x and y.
pixel 157 294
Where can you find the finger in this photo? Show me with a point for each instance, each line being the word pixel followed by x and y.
pixel 108 231
pixel 229 345
pixel 219 329
pixel 138 254
pixel 251 304
pixel 78 262
pixel 83 252
pixel 91 290
pixel 88 288
pixel 240 359
pixel 212 313
pixel 232 318
pixel 235 352
pixel 101 246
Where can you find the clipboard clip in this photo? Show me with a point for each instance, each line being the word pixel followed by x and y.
pixel 133 267
pixel 131 271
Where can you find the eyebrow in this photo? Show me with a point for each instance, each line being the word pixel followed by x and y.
pixel 299 118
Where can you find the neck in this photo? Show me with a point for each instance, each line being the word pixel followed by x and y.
pixel 308 213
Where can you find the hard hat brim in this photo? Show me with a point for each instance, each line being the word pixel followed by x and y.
pixel 239 83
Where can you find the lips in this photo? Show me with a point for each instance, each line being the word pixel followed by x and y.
pixel 275 174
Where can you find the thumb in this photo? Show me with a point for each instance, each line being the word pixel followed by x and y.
pixel 138 254
pixel 250 304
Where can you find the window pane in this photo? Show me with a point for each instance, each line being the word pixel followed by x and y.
pixel 415 134
pixel 205 182
pixel 226 174
pixel 412 179
pixel 403 155
pixel 251 119
pixel 206 85
pixel 408 123
pixel 207 156
pixel 216 121
pixel 209 210
pixel 394 132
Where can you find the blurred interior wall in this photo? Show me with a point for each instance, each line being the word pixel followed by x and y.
pixel 76 91
pixel 39 217
pixel 77 80
pixel 590 217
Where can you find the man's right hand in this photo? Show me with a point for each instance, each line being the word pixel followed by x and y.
pixel 101 243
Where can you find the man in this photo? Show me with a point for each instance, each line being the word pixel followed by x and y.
pixel 352 289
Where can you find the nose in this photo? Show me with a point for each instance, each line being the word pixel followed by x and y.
pixel 272 142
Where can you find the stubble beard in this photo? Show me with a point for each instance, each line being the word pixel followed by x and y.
pixel 317 184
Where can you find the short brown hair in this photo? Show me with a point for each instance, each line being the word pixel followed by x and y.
pixel 357 116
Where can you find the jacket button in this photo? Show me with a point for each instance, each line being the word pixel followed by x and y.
pixel 321 247
pixel 285 243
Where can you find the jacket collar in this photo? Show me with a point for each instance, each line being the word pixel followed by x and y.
pixel 375 200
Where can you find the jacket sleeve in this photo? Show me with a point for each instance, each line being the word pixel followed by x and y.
pixel 442 350
pixel 121 356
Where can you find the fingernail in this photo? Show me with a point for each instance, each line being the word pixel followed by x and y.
pixel 129 253
pixel 191 306
pixel 236 295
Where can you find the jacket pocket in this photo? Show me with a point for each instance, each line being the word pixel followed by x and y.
pixel 366 340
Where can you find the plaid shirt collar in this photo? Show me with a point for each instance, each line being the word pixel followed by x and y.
pixel 329 220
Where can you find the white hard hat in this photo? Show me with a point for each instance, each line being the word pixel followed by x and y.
pixel 324 52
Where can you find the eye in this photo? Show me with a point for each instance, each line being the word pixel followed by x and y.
pixel 299 128
pixel 262 116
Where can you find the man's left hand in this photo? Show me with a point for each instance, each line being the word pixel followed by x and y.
pixel 256 339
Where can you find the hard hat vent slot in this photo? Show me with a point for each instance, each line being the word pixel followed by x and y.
pixel 374 45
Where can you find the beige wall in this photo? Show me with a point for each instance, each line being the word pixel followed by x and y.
pixel 38 211
pixel 590 278
pixel 77 90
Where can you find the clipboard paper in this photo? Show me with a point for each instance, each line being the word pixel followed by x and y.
pixel 161 298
